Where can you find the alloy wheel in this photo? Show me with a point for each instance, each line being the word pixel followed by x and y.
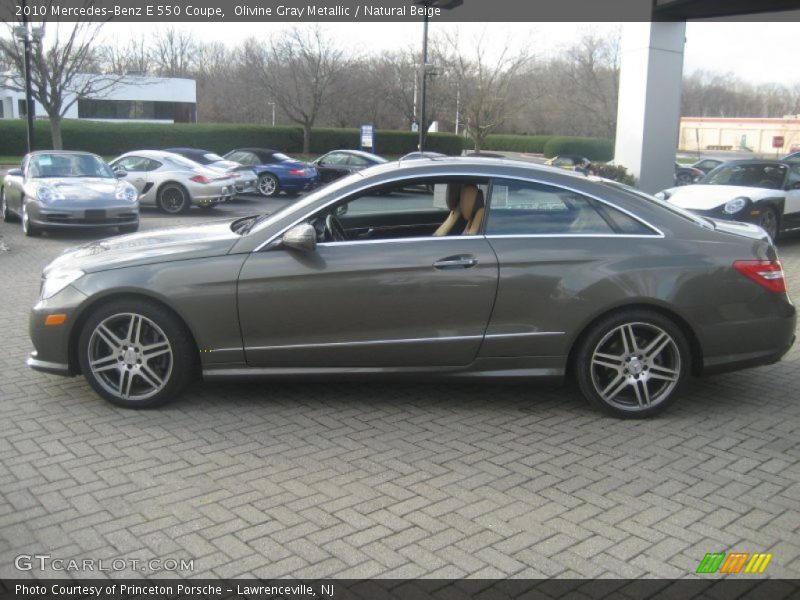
pixel 267 185
pixel 130 356
pixel 769 222
pixel 635 366
pixel 173 200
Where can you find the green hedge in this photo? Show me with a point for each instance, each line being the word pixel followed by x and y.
pixel 591 148
pixel 115 138
pixel 517 143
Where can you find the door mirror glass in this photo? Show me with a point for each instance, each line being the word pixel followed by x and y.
pixel 120 172
pixel 14 172
pixel 301 237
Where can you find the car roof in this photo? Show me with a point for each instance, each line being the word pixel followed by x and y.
pixel 189 151
pixel 154 154
pixel 257 150
pixel 357 153
pixel 70 152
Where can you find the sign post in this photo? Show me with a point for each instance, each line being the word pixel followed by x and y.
pixel 368 138
pixel 777 143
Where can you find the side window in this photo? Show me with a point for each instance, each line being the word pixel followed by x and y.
pixel 357 161
pixel 151 165
pixel 132 163
pixel 421 207
pixel 521 207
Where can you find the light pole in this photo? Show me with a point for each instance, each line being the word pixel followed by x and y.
pixel 27 36
pixel 272 104
pixel 444 5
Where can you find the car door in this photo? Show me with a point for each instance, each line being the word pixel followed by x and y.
pixel 385 303
pixel 791 208
pixel 332 166
pixel 135 171
pixel 12 188
pixel 554 247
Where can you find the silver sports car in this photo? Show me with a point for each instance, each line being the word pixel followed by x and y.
pixel 61 189
pixel 244 178
pixel 171 182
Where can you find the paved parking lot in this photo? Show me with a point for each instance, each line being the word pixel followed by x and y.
pixel 385 480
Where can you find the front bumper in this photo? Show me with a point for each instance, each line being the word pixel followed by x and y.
pixel 52 343
pixel 54 216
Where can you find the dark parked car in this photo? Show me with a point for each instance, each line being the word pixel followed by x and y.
pixel 339 163
pixel 764 192
pixel 276 171
pixel 502 270
pixel 687 175
pixel 706 165
pixel 62 189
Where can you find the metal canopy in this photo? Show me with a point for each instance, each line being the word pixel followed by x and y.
pixel 709 9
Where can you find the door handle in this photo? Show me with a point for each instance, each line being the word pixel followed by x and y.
pixel 455 262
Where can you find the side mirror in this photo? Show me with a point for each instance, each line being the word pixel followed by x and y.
pixel 14 172
pixel 301 237
pixel 341 210
pixel 120 173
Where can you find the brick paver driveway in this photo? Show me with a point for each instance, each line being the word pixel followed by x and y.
pixel 387 480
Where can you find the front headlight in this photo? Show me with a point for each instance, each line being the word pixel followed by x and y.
pixel 125 191
pixel 734 206
pixel 57 281
pixel 46 194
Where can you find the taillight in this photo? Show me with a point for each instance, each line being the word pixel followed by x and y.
pixel 200 179
pixel 766 273
pixel 297 172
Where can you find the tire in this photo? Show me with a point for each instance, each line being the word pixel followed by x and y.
pixel 115 360
pixel 268 185
pixel 635 376
pixel 6 214
pixel 770 222
pixel 173 199
pixel 28 228
pixel 128 228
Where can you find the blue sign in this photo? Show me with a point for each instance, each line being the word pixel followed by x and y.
pixel 368 137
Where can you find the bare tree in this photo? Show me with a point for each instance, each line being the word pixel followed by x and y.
pixel 62 73
pixel 299 71
pixel 136 57
pixel 484 85
pixel 174 52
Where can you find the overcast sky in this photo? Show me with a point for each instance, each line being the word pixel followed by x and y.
pixel 756 52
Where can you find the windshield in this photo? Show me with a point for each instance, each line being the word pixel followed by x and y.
pixel 301 205
pixel 762 175
pixel 661 203
pixel 68 165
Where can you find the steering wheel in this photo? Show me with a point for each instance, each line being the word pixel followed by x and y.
pixel 334 228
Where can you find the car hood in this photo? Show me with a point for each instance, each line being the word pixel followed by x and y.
pixel 80 188
pixel 706 197
pixel 162 245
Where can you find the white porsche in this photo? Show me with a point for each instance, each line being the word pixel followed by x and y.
pixel 764 192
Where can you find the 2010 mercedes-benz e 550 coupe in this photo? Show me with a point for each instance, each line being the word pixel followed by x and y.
pixel 453 268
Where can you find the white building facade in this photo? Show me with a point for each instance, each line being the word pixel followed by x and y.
pixel 134 98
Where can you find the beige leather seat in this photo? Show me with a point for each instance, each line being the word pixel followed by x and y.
pixel 472 209
pixel 466 205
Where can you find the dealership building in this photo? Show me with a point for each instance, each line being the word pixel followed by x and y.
pixel 134 98
pixel 763 136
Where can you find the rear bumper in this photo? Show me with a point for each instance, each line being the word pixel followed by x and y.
pixel 736 362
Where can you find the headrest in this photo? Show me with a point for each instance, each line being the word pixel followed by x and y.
pixel 471 201
pixel 453 195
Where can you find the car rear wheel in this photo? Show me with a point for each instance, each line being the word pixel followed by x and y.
pixel 633 364
pixel 769 222
pixel 268 185
pixel 28 228
pixel 173 199
pixel 135 354
pixel 7 215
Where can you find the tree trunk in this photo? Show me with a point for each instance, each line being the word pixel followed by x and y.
pixel 306 138
pixel 55 132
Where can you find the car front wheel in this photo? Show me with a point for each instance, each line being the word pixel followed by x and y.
pixel 28 228
pixel 136 353
pixel 769 222
pixel 633 364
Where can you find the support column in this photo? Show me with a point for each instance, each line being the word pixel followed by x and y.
pixel 649 109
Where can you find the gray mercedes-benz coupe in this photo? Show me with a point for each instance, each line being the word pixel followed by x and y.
pixel 454 268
